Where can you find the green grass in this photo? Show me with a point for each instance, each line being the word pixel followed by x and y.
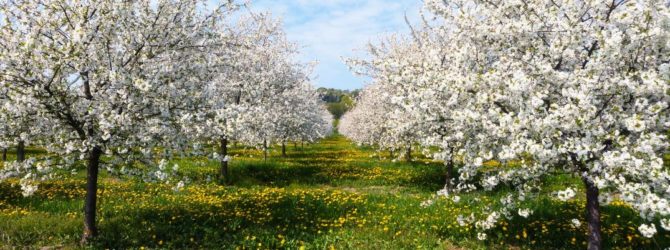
pixel 327 195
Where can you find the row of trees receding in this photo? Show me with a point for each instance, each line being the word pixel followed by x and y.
pixel 140 82
pixel 540 87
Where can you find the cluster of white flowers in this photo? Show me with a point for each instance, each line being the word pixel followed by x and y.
pixel 427 203
pixel 27 185
pixel 120 79
pixel 489 222
pixel 379 121
pixel 481 236
pixel 566 194
pixel 647 230
pixel 462 221
pixel 180 185
pixel 576 223
pixel 537 85
pixel 525 212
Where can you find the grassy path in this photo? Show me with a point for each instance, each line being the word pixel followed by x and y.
pixel 328 195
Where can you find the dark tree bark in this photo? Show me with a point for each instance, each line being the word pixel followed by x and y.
pixel 223 173
pixel 4 154
pixel 593 215
pixel 391 153
pixel 92 168
pixel 295 146
pixel 21 151
pixel 408 154
pixel 450 169
pixel 265 150
pixel 283 149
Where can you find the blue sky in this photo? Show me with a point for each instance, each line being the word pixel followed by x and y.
pixel 331 29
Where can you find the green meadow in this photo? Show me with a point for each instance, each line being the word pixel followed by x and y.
pixel 328 195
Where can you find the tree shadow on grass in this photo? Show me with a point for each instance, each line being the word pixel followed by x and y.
pixel 276 175
pixel 278 219
pixel 550 226
pixel 304 171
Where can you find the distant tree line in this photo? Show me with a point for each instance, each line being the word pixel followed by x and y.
pixel 338 101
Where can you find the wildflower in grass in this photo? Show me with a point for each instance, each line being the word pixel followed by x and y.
pixel 489 222
pixel 565 195
pixel 443 192
pixel 525 212
pixel 665 224
pixel 179 186
pixel 27 188
pixel 576 223
pixel 605 199
pixel 490 182
pixel 647 231
pixel 462 221
pixel 427 203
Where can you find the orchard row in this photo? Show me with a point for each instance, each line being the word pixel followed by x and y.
pixel 126 85
pixel 507 93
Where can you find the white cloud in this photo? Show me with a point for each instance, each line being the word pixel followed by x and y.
pixel 331 29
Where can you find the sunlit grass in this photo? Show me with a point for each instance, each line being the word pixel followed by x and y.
pixel 327 195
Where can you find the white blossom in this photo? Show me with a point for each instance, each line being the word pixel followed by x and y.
pixel 525 212
pixel 566 194
pixel 576 223
pixel 647 230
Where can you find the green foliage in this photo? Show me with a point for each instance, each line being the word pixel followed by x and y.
pixel 337 109
pixel 336 95
pixel 338 101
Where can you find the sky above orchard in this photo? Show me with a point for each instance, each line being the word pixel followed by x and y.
pixel 328 30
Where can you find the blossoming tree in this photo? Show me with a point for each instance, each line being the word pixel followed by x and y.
pixel 378 120
pixel 578 87
pixel 110 77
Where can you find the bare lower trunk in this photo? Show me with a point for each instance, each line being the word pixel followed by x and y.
pixel 450 169
pixel 92 168
pixel 265 150
pixel 283 149
pixel 21 151
pixel 223 173
pixel 4 154
pixel 391 153
pixel 408 154
pixel 295 145
pixel 593 215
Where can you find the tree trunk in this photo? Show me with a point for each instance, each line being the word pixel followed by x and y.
pixel 283 149
pixel 295 146
pixel 4 154
pixel 223 173
pixel 21 151
pixel 90 229
pixel 593 215
pixel 391 153
pixel 450 169
pixel 265 150
pixel 408 154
